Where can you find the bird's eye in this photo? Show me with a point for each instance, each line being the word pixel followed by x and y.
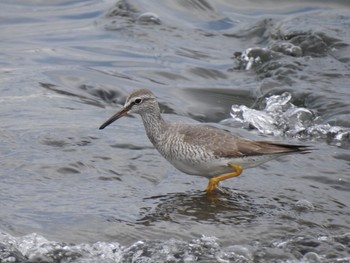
pixel 137 101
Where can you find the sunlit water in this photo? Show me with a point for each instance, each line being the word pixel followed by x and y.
pixel 72 193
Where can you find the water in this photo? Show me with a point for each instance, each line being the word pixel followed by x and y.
pixel 281 118
pixel 72 193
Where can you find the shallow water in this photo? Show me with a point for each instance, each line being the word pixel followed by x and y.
pixel 72 193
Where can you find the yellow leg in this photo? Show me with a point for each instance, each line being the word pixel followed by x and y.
pixel 213 182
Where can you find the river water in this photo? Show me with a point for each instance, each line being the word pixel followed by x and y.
pixel 274 70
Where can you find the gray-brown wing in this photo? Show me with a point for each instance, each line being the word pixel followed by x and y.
pixel 220 142
pixel 225 144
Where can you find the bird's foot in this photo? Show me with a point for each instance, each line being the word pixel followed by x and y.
pixel 214 182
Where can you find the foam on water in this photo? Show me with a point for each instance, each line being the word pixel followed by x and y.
pixel 36 248
pixel 280 117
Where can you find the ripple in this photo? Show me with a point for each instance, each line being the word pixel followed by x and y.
pixel 303 205
pixel 148 18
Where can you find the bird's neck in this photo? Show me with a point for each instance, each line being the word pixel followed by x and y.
pixel 155 126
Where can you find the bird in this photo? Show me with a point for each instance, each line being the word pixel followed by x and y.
pixel 200 149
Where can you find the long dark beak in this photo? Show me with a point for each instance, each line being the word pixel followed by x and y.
pixel 115 117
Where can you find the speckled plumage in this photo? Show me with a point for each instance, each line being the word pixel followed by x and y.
pixel 196 148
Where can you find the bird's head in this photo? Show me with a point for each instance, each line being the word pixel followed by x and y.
pixel 139 101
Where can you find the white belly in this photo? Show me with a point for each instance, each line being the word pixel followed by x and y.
pixel 215 167
pixel 207 169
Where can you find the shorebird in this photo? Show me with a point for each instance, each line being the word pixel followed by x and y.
pixel 200 149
